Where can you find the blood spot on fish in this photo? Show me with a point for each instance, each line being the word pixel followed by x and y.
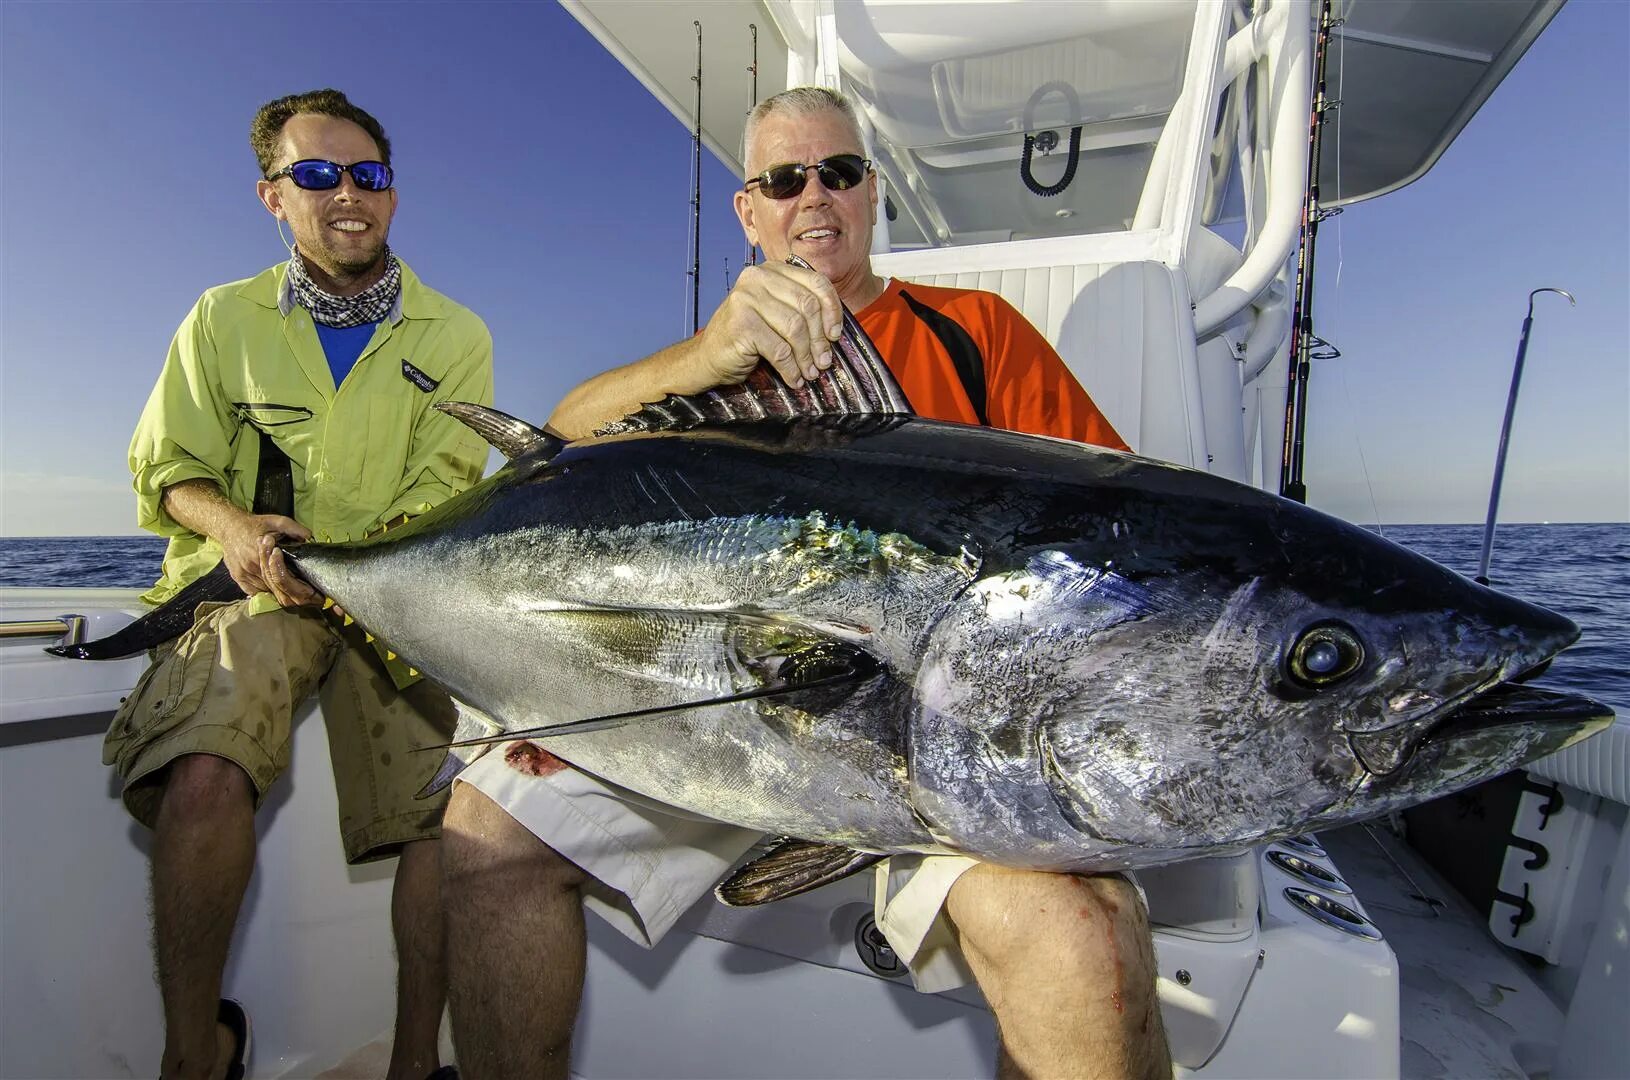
pixel 532 759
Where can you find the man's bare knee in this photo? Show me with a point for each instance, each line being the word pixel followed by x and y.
pixel 483 845
pixel 1049 945
pixel 1007 918
pixel 203 784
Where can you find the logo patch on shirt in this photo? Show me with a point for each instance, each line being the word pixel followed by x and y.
pixel 418 378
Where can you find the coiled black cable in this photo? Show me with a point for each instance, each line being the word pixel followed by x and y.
pixel 1074 106
pixel 1049 190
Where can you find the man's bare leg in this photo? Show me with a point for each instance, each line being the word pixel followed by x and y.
pixel 515 943
pixel 421 968
pixel 1067 965
pixel 203 853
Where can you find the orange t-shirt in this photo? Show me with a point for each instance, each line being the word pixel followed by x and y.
pixel 1027 386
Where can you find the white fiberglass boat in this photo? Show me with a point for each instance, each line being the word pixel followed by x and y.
pixel 1165 275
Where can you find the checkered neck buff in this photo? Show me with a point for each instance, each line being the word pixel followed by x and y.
pixel 368 306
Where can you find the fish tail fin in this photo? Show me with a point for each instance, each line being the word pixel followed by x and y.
pixel 164 623
pixel 472 724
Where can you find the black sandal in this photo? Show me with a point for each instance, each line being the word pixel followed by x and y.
pixel 231 1016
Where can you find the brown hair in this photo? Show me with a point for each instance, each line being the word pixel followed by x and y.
pixel 267 126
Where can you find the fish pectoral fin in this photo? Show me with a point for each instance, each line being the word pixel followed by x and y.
pixel 473 724
pixel 790 868
pixel 821 666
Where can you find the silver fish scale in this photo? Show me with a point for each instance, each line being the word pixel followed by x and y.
pixel 1064 730
pixel 1125 697
pixel 665 614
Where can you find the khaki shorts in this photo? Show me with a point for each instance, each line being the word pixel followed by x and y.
pixel 231 686
pixel 650 862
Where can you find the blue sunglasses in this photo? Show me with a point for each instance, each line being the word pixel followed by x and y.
pixel 317 175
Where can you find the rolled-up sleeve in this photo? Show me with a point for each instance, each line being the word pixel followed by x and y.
pixel 446 457
pixel 186 429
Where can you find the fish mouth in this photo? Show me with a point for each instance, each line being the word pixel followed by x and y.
pixel 1486 701
pixel 1485 733
pixel 1517 704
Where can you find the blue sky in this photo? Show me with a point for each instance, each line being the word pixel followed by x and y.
pixel 544 187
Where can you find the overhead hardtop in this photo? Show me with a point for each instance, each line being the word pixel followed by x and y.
pixel 951 90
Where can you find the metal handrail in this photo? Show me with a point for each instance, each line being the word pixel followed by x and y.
pixel 70 628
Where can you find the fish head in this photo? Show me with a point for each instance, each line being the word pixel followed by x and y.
pixel 1240 681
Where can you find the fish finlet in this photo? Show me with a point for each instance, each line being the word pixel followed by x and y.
pixel 348 619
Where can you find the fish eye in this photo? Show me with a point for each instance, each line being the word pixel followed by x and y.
pixel 1324 655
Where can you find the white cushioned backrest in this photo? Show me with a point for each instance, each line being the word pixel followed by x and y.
pixel 1121 329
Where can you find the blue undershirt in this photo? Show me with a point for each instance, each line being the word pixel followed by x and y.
pixel 342 346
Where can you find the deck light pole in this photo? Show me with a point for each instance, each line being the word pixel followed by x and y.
pixel 1505 432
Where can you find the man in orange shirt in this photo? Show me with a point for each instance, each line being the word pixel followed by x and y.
pixel 1065 961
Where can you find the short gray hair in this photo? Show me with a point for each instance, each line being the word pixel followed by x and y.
pixel 800 101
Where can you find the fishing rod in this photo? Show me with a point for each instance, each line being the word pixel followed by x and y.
pixel 752 28
pixel 1292 451
pixel 696 194
pixel 1505 431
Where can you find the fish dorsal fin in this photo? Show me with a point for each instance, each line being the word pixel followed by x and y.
pixel 790 868
pixel 511 437
pixel 858 383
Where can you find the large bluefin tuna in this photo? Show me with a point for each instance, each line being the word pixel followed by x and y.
pixel 879 633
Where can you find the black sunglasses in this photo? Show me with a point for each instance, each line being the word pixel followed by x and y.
pixel 840 172
pixel 318 175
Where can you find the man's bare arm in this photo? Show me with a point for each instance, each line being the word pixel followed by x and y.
pixel 248 541
pixel 783 314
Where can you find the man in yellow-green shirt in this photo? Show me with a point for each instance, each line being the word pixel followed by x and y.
pixel 331 360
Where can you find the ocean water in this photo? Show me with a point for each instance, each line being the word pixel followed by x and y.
pixel 1581 571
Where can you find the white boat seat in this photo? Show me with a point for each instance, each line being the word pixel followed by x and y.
pixel 1600 765
pixel 1117 325
pixel 1126 329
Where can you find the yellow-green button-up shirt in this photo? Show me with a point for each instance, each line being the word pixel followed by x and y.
pixel 247 360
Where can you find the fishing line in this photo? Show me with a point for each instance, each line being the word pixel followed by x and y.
pixel 1335 307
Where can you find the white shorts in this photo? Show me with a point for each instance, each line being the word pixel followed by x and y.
pixel 650 862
